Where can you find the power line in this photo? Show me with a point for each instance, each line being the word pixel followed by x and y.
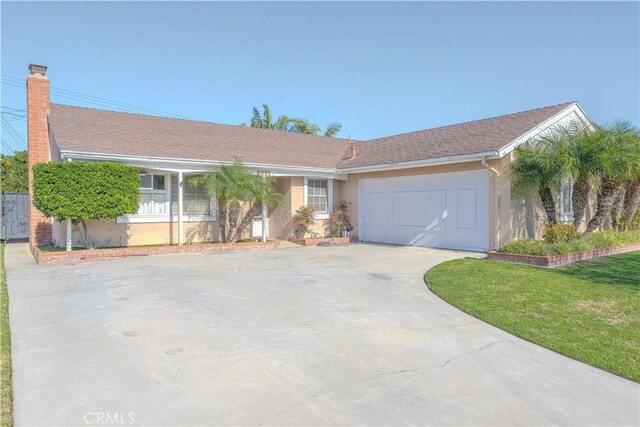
pixel 6 146
pixel 14 133
pixel 21 116
pixel 90 99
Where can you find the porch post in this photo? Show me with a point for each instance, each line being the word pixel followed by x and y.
pixel 264 217
pixel 180 191
pixel 69 236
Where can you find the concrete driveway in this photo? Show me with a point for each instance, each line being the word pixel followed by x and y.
pixel 313 336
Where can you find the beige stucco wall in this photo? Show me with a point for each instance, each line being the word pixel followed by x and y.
pixel 110 233
pixel 296 199
pixel 511 216
pixel 280 217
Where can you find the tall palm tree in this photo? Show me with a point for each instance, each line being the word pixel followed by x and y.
pixel 332 129
pixel 540 166
pixel 265 120
pixel 304 126
pixel 614 164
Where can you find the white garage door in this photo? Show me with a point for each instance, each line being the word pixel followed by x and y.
pixel 449 210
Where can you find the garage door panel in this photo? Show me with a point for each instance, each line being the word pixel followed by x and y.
pixel 376 208
pixel 466 209
pixel 439 210
pixel 425 209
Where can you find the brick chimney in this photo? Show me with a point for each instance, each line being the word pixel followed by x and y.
pixel 38 105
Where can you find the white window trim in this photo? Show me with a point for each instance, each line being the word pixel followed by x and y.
pixel 169 217
pixel 317 215
pixel 566 216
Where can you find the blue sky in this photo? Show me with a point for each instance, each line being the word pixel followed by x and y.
pixel 378 68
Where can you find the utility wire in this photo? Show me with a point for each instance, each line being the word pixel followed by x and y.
pixel 14 133
pixel 90 99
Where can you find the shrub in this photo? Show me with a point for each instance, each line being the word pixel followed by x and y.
pixel 526 247
pixel 339 220
pixel 81 190
pixel 597 240
pixel 302 221
pixel 560 233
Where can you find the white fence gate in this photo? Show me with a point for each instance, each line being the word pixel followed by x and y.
pixel 15 216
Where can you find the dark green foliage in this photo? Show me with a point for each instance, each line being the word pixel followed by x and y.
pixel 595 240
pixel 83 190
pixel 13 172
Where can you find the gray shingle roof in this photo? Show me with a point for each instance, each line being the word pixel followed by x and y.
pixel 478 136
pixel 91 130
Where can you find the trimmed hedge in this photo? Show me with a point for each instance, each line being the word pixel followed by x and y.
pixel 84 190
pixel 595 240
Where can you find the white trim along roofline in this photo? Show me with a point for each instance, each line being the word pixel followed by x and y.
pixel 194 165
pixel 547 124
pixel 425 162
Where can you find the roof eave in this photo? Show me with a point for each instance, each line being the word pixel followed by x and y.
pixel 545 125
pixel 197 165
pixel 462 158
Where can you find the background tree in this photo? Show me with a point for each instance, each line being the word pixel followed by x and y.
pixel 304 126
pixel 79 191
pixel 235 188
pixel 265 120
pixel 614 164
pixel 332 129
pixel 13 172
pixel 540 166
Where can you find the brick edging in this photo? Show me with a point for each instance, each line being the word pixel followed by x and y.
pixel 559 260
pixel 314 242
pixel 86 255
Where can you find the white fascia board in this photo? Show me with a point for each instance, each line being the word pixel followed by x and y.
pixel 463 158
pixel 546 125
pixel 190 165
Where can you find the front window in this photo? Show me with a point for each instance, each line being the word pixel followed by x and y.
pixel 194 197
pixel 153 195
pixel 317 195
pixel 566 207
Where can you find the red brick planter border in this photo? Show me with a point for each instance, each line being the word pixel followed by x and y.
pixel 314 242
pixel 86 255
pixel 558 260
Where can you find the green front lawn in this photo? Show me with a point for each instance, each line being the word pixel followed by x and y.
pixel 6 394
pixel 589 311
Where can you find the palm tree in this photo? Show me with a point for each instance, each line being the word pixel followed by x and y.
pixel 264 120
pixel 304 126
pixel 332 129
pixel 632 199
pixel 614 164
pixel 582 144
pixel 540 165
pixel 263 193
pixel 234 187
